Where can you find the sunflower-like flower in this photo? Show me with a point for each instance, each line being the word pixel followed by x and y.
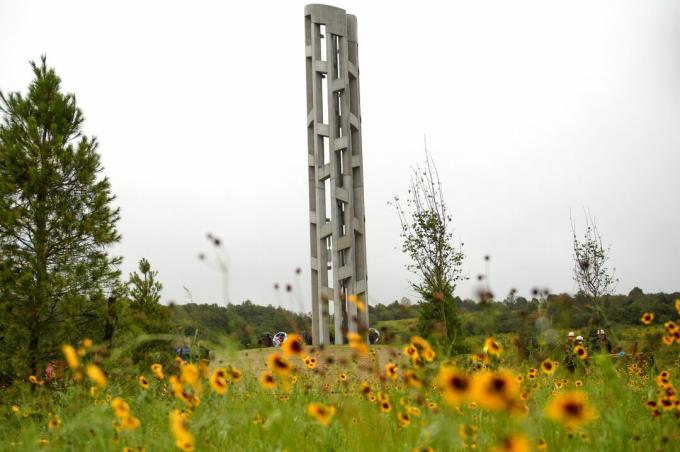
pixel 322 413
pixel 356 301
pixel 191 399
pixel 310 362
pixel 385 406
pixel 410 350
pixel 428 355
pixel 143 382
pixel 184 440
pixel 495 390
pixel 669 391
pixel 548 366
pixel 413 411
pixel 279 364
pixel 120 408
pixel 157 370
pixel 293 345
pixel 221 372
pixel 235 374
pixel 420 343
pixel 267 380
pixel 54 422
pixel 403 419
pixel 492 347
pixel 412 379
pixel 455 384
pixel 175 385
pixel 365 387
pixel 130 423
pixel 667 403
pixel 96 375
pixel 71 356
pixel 570 408
pixel 190 374
pixel 647 318
pixel 204 368
pixel 581 352
pixel 391 371
pixel 218 381
pixel 514 443
pixel 357 343
pixel 419 348
pixel 342 377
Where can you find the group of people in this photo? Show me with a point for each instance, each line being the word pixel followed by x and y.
pixel 598 343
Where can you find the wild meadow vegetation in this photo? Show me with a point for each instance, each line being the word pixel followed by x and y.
pixel 92 361
pixel 338 398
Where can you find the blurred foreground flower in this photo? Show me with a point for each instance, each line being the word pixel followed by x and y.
pixel 455 384
pixel 570 408
pixel 293 346
pixel 71 357
pixel 514 443
pixel 361 306
pixel 492 347
pixel 357 343
pixel 183 438
pixel 322 413
pixel 218 381
pixel 96 375
pixel 647 318
pixel 157 370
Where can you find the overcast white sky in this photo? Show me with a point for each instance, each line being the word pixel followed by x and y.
pixel 531 109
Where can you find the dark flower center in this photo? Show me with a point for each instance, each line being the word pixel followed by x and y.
pixel 573 409
pixel 458 383
pixel 498 384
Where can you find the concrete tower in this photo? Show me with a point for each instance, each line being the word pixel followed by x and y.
pixel 336 180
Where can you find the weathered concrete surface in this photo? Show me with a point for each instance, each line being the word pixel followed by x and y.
pixel 335 168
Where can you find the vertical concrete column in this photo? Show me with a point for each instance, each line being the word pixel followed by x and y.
pixel 335 170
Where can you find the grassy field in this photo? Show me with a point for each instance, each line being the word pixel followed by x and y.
pixel 390 398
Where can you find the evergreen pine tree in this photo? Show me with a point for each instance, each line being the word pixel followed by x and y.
pixel 144 295
pixel 56 223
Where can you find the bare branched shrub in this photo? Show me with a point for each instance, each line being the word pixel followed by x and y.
pixel 427 238
pixel 592 273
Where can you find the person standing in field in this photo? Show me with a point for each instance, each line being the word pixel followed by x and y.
pixel 569 358
pixel 602 343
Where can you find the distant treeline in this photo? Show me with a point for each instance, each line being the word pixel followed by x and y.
pixel 564 311
pixel 246 322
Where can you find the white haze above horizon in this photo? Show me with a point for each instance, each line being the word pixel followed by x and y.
pixel 532 110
